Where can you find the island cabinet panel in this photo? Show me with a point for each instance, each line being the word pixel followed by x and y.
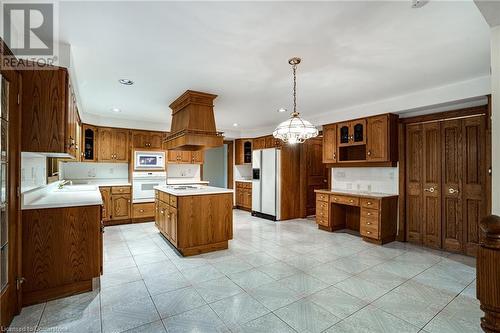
pixel 62 252
pixel 106 203
pixel 197 223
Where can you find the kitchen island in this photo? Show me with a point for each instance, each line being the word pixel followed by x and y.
pixel 195 219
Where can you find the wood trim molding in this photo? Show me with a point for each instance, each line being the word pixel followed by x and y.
pixel 440 116
pixel 230 163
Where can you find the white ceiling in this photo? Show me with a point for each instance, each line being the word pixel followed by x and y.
pixel 354 53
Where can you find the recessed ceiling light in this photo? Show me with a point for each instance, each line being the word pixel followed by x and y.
pixel 116 110
pixel 235 124
pixel 126 82
pixel 281 110
pixel 418 3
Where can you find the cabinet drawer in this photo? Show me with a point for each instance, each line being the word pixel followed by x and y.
pixel 142 210
pixel 173 201
pixel 369 223
pixel 368 231
pixel 370 203
pixel 120 189
pixel 322 197
pixel 165 197
pixel 322 221
pixel 371 214
pixel 344 200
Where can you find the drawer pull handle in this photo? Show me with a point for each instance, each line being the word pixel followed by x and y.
pixel 351 201
pixel 369 214
pixel 141 210
pixel 369 203
pixel 368 232
pixel 368 223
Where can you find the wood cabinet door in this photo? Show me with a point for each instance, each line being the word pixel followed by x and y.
pixel 432 185
pixel 185 156
pixel 106 203
pixel 357 129
pixel 414 181
pixel 106 149
pixel 197 157
pixel 270 141
pixel 157 213
pixel 121 206
pixel 343 134
pixel 238 152
pixel 89 143
pixel 155 140
pixel 377 141
pixel 330 144
pixel 163 217
pixel 120 143
pixel 451 171
pixel 139 139
pixel 473 180
pixel 173 225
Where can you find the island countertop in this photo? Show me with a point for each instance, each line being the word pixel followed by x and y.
pixel 179 190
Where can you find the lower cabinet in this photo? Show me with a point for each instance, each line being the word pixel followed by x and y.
pixel 143 211
pixel 117 204
pixel 244 195
pixel 62 252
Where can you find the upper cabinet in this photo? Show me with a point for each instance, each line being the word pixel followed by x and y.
pixel 89 143
pixel 264 142
pixel 362 141
pixel 50 113
pixel 243 151
pixel 113 145
pixel 185 157
pixel 147 139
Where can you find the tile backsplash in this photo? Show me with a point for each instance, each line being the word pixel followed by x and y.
pixel 88 170
pixel 384 180
pixel 33 171
pixel 183 171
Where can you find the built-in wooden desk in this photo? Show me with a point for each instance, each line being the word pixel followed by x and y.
pixel 373 215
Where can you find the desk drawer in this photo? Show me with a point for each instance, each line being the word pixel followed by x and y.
pixel 322 209
pixel 120 189
pixel 368 223
pixel 344 200
pixel 142 210
pixel 322 197
pixel 371 214
pixel 369 231
pixel 173 201
pixel 370 203
pixel 322 221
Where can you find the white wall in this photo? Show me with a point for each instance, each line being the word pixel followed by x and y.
pixel 495 119
pixel 88 170
pixel 33 171
pixel 382 180
pixel 183 171
pixel 242 172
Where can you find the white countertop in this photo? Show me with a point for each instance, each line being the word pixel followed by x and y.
pixel 102 182
pixel 243 180
pixel 51 196
pixel 180 181
pixel 358 193
pixel 199 190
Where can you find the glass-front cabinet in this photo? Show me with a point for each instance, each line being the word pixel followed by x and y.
pixel 4 166
pixel 89 143
pixel 352 133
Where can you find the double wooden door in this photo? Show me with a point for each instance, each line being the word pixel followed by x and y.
pixel 446 178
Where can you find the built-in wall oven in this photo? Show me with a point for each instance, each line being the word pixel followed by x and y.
pixel 144 182
pixel 149 160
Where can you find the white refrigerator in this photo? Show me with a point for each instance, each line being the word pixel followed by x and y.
pixel 266 181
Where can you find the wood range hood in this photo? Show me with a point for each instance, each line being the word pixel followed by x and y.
pixel 193 123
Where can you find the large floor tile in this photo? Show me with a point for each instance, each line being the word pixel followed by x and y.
pixel 238 309
pixel 202 273
pixel 28 319
pixel 166 282
pixel 385 280
pixel 265 324
pixel 306 316
pixel 278 270
pixel 274 295
pixel 337 302
pixel 303 284
pixel 156 268
pixel 258 259
pixel 202 320
pixel 231 265
pixel 150 257
pixel 372 320
pixel 250 279
pixel 123 293
pixel 154 327
pixel 119 317
pixel 217 289
pixel 303 262
pixel 113 278
pixel 177 301
pixel 461 315
pixel 365 290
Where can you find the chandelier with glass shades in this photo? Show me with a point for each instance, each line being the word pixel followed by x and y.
pixel 295 129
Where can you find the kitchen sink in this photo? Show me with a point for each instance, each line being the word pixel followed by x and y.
pixel 77 188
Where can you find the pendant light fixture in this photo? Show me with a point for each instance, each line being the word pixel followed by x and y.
pixel 295 129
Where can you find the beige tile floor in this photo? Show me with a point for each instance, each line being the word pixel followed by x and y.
pixel 275 277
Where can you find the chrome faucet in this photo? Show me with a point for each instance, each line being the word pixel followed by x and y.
pixel 64 182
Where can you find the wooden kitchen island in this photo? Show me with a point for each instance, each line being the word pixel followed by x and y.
pixel 195 219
